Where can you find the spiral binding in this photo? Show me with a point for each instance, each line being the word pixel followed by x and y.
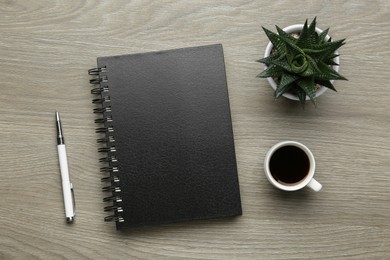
pixel 107 119
pixel 100 78
pixel 108 129
pixel 114 179
pixel 100 90
pixel 109 139
pixel 108 159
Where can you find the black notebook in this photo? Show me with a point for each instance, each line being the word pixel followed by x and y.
pixel 167 136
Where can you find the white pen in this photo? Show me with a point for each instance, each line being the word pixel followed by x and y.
pixel 67 187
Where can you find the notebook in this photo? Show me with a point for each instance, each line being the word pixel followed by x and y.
pixel 166 135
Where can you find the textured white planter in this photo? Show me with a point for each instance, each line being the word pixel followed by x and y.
pixel 296 28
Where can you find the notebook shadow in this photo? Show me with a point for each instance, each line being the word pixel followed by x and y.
pixel 179 227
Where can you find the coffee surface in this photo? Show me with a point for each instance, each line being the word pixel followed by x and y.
pixel 289 164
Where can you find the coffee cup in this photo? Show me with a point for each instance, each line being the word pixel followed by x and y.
pixel 290 166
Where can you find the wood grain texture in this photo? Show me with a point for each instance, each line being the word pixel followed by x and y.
pixel 46 48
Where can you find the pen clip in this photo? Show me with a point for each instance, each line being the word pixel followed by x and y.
pixel 73 199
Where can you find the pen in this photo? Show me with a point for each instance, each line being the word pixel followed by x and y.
pixel 67 187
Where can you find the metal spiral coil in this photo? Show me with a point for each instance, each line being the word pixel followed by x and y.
pixel 96 71
pixel 101 100
pixel 108 159
pixel 111 170
pixel 114 198
pixel 109 139
pixel 112 179
pixel 108 129
pixel 113 208
pixel 114 218
pixel 100 90
pixel 110 149
pixel 112 189
pixel 106 119
pixel 98 80
pixel 101 110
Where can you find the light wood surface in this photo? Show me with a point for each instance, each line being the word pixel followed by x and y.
pixel 46 48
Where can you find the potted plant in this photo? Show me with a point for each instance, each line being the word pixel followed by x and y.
pixel 301 62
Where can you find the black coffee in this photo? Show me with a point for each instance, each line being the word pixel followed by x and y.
pixel 289 164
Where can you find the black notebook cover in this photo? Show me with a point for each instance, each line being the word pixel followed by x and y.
pixel 173 156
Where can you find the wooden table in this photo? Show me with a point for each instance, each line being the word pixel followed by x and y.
pixel 46 48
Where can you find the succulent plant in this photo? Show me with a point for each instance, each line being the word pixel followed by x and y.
pixel 301 64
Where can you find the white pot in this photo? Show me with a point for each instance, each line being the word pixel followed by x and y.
pixel 296 28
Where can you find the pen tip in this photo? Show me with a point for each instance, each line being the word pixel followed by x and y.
pixel 57 116
pixel 69 219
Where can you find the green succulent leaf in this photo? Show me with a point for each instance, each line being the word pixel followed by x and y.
pixel 268 60
pixel 291 46
pixel 285 84
pixel 313 66
pixel 310 70
pixel 303 37
pixel 302 97
pixel 326 83
pixel 334 55
pixel 324 50
pixel 282 65
pixel 307 85
pixel 330 62
pixel 328 73
pixel 308 35
pixel 278 44
pixel 283 34
pixel 281 90
pixel 271 71
pixel 322 36
pixel 300 64
pixel 313 36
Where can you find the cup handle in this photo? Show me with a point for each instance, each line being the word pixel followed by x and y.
pixel 314 185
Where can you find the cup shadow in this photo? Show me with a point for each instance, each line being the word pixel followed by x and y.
pixel 292 199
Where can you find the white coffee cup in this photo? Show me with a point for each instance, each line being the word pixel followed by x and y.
pixel 307 180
